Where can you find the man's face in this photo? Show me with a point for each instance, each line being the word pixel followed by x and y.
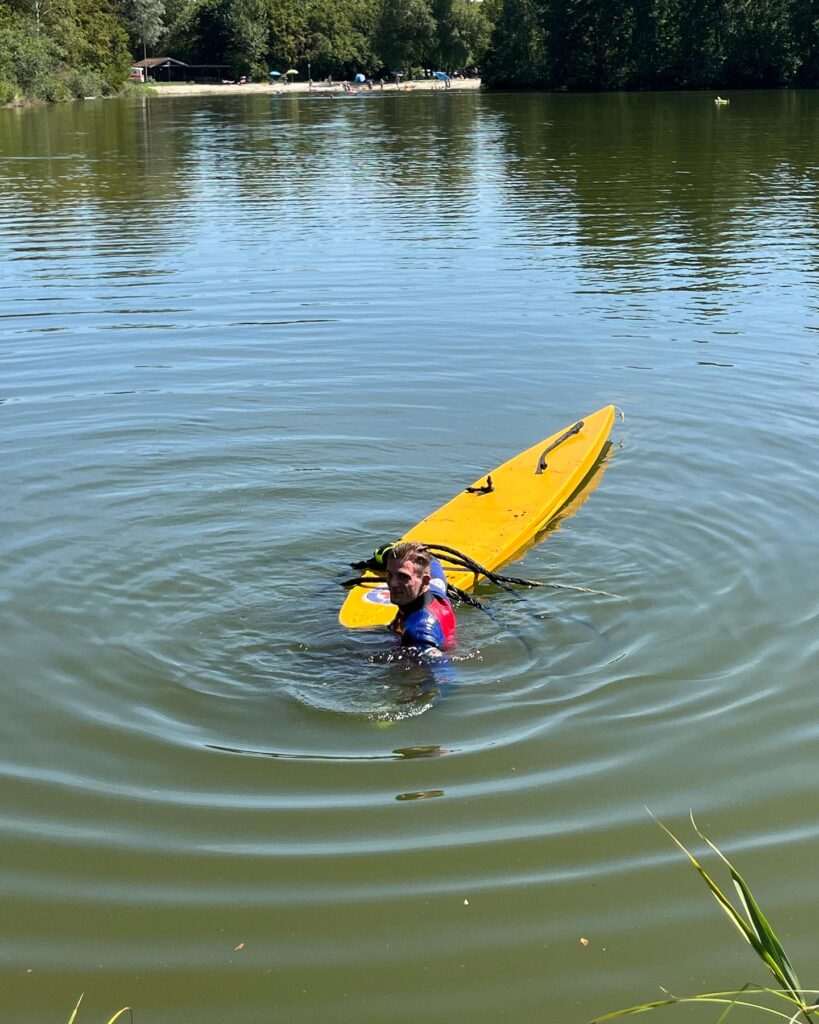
pixel 406 581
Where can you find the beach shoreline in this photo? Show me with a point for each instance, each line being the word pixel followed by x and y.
pixel 309 88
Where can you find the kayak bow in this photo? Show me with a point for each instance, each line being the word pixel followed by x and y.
pixel 498 515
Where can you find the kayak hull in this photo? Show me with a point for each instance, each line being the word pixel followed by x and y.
pixel 493 526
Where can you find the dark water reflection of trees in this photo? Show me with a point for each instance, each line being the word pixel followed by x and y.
pixel 615 174
pixel 624 173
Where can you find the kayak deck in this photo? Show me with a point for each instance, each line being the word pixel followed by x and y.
pixel 493 526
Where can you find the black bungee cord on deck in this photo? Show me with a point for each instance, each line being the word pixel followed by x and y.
pixel 449 556
pixel 458 560
pixel 462 561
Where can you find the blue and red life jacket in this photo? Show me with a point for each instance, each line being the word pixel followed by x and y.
pixel 429 621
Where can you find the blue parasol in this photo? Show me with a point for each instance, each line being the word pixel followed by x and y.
pixel 275 74
pixel 359 78
pixel 442 75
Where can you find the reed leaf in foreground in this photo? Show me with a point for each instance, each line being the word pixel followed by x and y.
pixel 126 1009
pixel 757 932
pixel 727 999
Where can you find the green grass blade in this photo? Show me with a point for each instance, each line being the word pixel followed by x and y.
pixel 742 926
pixel 727 999
pixel 775 956
pixel 733 915
pixel 724 1015
pixel 642 1008
pixel 113 1020
pixel 737 1002
pixel 766 935
pixel 73 1016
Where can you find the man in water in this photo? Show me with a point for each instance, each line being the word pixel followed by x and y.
pixel 417 585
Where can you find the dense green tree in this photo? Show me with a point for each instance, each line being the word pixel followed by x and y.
pixel 405 33
pixel 692 40
pixel 27 57
pixel 92 37
pixel 145 21
pixel 643 58
pixel 55 51
pixel 288 32
pixel 37 15
pixel 805 33
pixel 200 34
pixel 176 11
pixel 462 33
pixel 443 14
pixel 241 33
pixel 517 48
pixel 334 39
pixel 247 32
pixel 761 49
pixel 588 43
pixel 591 44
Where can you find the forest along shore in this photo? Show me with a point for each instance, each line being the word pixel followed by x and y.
pixel 337 88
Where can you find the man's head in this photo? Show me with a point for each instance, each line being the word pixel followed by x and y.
pixel 408 572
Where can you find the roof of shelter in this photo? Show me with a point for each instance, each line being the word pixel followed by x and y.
pixel 159 62
pixel 166 62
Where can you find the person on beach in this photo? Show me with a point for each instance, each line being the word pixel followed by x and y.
pixel 417 586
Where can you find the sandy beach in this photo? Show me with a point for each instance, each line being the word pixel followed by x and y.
pixel 306 88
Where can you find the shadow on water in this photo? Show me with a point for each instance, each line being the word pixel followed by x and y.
pixel 399 754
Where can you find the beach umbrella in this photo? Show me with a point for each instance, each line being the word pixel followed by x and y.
pixel 275 74
pixel 359 78
pixel 442 75
pixel 291 71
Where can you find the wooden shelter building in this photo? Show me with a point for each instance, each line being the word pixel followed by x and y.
pixel 167 69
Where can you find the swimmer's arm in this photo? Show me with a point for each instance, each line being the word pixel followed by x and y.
pixel 441 671
pixel 424 636
pixel 441 674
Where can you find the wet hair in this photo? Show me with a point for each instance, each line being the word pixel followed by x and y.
pixel 411 551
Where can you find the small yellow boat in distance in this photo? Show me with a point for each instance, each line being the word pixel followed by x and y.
pixel 498 515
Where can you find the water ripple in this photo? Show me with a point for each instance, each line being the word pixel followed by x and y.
pixel 248 339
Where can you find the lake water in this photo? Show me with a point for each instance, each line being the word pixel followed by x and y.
pixel 244 340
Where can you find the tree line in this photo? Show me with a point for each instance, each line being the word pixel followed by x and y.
pixel 655 44
pixel 334 37
pixel 55 49
pixel 59 49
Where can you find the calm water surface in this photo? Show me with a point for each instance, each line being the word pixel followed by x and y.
pixel 246 339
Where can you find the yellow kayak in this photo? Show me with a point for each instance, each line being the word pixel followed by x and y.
pixel 495 518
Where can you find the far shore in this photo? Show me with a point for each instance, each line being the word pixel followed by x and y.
pixel 309 88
